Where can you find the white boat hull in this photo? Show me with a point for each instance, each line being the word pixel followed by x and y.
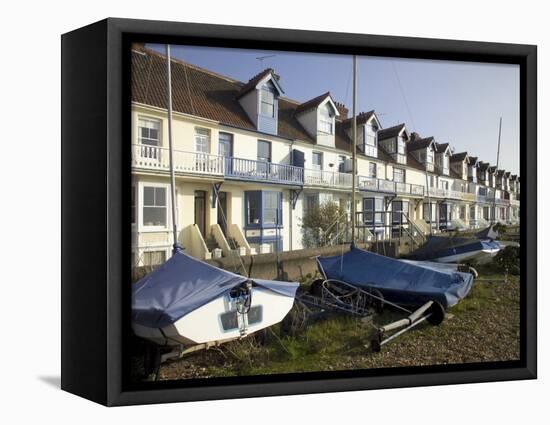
pixel 480 256
pixel 205 325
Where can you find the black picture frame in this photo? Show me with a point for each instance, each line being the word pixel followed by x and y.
pixel 95 181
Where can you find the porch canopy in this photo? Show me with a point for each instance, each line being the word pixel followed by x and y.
pixel 399 281
pixel 183 284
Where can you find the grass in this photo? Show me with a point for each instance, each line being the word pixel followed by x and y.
pixel 482 327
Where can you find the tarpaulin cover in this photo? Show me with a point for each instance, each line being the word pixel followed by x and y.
pixel 442 246
pixel 183 284
pixel 399 281
pixel 487 233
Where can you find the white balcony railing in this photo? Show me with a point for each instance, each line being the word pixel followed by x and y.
pixel 327 178
pixel 157 158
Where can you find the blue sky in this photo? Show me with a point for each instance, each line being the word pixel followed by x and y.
pixel 456 102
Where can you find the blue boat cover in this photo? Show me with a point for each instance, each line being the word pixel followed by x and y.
pixel 183 284
pixel 399 281
pixel 443 246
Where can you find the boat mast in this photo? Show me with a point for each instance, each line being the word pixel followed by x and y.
pixel 353 151
pixel 496 170
pixel 428 194
pixel 176 246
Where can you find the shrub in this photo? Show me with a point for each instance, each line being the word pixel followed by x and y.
pixel 322 224
pixel 507 260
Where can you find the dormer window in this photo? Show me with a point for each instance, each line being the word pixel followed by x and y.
pixel 259 99
pixel 326 120
pixel 267 101
pixel 430 156
pixel 317 116
pixel 370 135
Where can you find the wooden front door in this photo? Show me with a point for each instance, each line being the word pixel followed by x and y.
pixel 223 220
pixel 200 211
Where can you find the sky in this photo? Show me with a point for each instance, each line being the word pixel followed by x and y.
pixel 456 102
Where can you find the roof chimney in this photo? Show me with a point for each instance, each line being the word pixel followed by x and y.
pixel 342 110
pixel 415 136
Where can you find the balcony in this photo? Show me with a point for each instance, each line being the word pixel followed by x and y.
pixel 157 158
pixel 327 179
pixel 248 169
pixel 153 158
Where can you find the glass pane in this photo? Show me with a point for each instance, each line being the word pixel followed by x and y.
pixel 270 216
pixel 264 151
pixel 148 196
pixel 160 196
pixel 253 208
pixel 270 199
pixel 154 216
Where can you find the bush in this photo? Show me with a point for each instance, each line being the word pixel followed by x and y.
pixel 319 224
pixel 507 260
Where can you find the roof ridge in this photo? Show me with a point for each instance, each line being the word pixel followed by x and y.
pixel 187 64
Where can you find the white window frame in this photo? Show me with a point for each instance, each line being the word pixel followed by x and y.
pixel 375 169
pixel 401 146
pixel 402 170
pixel 374 130
pixel 151 250
pixel 134 205
pixel 318 167
pixel 430 154
pixel 264 91
pixel 325 120
pixel 152 120
pixel 139 216
pixel 201 137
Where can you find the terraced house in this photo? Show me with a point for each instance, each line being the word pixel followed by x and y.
pixel 250 162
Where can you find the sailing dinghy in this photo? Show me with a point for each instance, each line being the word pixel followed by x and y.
pixel 445 249
pixel 400 282
pixel 189 302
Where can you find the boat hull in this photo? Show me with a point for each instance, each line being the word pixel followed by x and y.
pixel 479 256
pixel 214 321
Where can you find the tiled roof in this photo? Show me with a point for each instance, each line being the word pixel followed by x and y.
pixel 253 82
pixel 459 156
pixel 343 142
pixel 394 131
pixel 362 118
pixel 312 103
pixel 441 147
pixel 197 91
pixel 492 169
pixel 201 92
pixel 483 166
pixel 473 160
pixel 417 143
pixel 513 177
pixel 414 163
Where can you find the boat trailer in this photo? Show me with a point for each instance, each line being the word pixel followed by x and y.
pixel 332 295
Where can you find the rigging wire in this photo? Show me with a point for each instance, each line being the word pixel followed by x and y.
pixel 402 92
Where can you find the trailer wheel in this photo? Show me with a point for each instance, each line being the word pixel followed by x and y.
pixel 375 343
pixel 437 314
pixel 316 288
pixel 377 303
